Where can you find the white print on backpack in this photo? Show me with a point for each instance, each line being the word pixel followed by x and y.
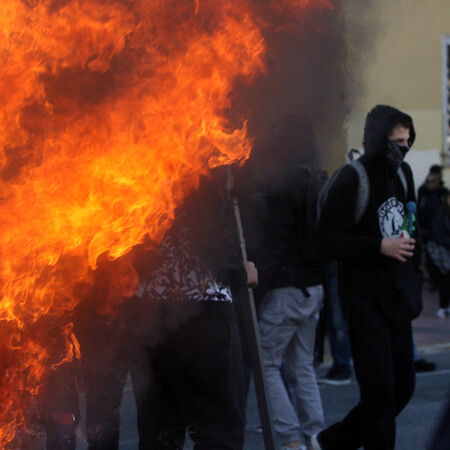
pixel 390 216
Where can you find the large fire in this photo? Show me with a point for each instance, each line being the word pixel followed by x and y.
pixel 110 112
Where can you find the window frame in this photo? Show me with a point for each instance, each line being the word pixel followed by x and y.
pixel 446 96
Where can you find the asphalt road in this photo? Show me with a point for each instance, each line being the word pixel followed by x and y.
pixel 415 425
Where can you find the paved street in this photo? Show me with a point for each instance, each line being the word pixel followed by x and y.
pixel 415 424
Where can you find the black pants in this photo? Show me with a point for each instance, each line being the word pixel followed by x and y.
pixel 443 281
pixel 105 363
pixel 195 385
pixel 383 358
pixel 103 388
pixel 60 407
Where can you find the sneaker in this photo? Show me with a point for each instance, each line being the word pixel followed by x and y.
pixel 422 365
pixel 441 313
pixel 335 378
pixel 315 442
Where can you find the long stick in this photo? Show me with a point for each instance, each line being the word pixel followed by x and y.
pixel 254 345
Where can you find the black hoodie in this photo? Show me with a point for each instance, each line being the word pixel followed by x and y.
pixel 392 286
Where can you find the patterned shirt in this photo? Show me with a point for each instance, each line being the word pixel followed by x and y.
pixel 180 274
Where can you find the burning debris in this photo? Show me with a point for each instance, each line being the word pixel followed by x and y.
pixel 111 112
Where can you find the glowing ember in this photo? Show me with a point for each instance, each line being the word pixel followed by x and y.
pixel 110 111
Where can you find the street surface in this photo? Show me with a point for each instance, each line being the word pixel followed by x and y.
pixel 416 423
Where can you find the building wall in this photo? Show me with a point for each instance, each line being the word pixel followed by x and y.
pixel 401 66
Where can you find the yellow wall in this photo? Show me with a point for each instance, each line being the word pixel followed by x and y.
pixel 402 67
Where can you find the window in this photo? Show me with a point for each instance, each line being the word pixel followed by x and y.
pixel 446 94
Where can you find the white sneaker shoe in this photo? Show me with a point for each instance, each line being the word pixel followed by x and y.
pixel 315 443
pixel 441 313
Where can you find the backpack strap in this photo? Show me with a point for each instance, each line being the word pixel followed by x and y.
pixel 323 193
pixel 363 194
pixel 362 197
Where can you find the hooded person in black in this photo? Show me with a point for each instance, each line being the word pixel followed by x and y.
pixel 379 282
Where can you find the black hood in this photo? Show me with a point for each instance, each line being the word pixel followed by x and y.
pixel 379 123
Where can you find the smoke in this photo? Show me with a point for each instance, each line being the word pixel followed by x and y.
pixel 314 68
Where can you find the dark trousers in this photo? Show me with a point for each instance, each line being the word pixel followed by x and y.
pixel 60 407
pixel 103 389
pixel 443 281
pixel 195 385
pixel 105 363
pixel 383 360
pixel 338 329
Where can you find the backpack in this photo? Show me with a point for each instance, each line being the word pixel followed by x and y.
pixel 363 194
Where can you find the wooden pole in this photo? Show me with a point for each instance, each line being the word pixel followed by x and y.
pixel 254 346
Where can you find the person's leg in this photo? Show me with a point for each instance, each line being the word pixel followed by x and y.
pixel 237 302
pixel 402 356
pixel 103 390
pixel 207 383
pixel 277 327
pixel 299 373
pixel 60 407
pixel 372 422
pixel 104 368
pixel 444 290
pixel 158 422
pixel 340 372
pixel 158 417
pixel 415 351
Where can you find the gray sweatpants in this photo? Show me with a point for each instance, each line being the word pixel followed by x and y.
pixel 287 320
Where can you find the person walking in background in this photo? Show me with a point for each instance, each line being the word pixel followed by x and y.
pixel 291 283
pixel 439 252
pixel 379 280
pixel 431 197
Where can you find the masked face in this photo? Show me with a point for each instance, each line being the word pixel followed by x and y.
pixel 396 154
pixel 398 146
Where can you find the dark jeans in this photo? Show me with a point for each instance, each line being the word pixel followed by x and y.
pixel 103 388
pixel 247 367
pixel 195 384
pixel 60 407
pixel 383 360
pixel 105 363
pixel 338 329
pixel 443 281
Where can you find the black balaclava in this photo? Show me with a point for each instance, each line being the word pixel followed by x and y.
pixel 379 124
pixel 395 154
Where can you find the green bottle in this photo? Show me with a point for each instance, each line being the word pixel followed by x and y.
pixel 408 228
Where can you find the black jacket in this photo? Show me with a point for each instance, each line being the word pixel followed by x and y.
pixel 392 286
pixel 429 203
pixel 285 259
pixel 440 233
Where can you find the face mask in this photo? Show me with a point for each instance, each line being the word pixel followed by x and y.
pixel 396 154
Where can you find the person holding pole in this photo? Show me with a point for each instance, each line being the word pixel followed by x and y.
pixel 193 367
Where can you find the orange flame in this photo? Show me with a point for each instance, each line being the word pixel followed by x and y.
pixel 110 112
